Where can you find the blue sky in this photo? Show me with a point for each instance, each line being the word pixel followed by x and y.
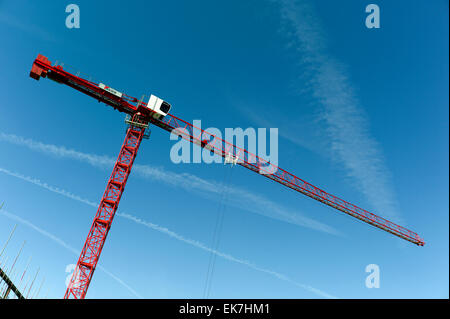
pixel 361 113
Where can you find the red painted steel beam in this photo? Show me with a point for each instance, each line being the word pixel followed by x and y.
pixel 93 246
pixel 279 175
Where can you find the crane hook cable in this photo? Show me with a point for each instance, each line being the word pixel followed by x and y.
pixel 216 234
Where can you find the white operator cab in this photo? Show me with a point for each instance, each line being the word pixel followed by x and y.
pixel 159 106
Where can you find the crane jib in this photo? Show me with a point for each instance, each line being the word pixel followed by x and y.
pixel 222 148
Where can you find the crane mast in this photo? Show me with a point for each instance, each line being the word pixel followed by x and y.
pixel 140 116
pixel 109 203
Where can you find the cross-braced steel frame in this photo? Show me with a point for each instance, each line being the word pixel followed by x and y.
pixel 93 246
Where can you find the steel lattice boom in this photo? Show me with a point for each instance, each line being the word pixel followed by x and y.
pixel 42 67
pixel 90 254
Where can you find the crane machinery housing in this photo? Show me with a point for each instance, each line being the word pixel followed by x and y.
pixel 156 111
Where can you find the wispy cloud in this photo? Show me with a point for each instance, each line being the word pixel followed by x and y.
pixel 53 189
pixel 100 161
pixel 240 197
pixel 310 137
pixel 27 27
pixel 60 241
pixel 346 121
pixel 152 226
pixel 202 246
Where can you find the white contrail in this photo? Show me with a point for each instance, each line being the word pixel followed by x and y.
pixel 53 189
pixel 240 197
pixel 59 151
pixel 347 124
pixel 202 246
pixel 62 243
pixel 158 228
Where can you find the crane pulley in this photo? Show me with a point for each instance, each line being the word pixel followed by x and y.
pixel 155 111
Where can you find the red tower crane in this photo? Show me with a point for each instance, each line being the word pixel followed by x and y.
pixel 140 115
